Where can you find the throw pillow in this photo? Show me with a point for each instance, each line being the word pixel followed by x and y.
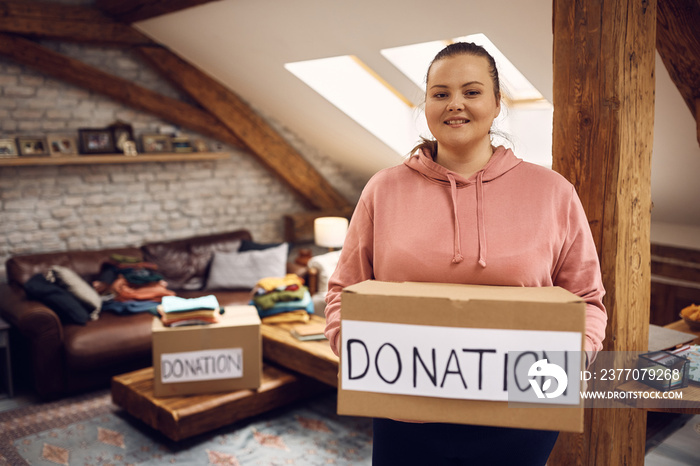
pixel 78 287
pixel 173 262
pixel 325 264
pixel 69 309
pixel 235 270
pixel 201 256
pixel 248 245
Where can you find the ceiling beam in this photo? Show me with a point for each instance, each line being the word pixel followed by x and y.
pixel 604 56
pixel 678 44
pixel 75 72
pixel 65 22
pixel 130 11
pixel 262 140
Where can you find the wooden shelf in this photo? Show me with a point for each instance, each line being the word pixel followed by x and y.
pixel 113 158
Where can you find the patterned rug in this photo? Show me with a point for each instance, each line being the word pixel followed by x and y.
pixel 90 430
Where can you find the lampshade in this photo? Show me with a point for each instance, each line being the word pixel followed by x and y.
pixel 329 232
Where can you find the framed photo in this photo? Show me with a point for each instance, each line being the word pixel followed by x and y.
pixel 155 143
pixel 96 141
pixel 182 144
pixel 200 145
pixel 122 132
pixel 8 148
pixel 62 144
pixel 32 147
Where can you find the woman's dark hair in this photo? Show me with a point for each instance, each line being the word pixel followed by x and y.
pixel 453 50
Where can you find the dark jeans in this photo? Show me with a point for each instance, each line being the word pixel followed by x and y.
pixel 405 444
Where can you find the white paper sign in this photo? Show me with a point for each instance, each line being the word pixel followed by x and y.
pixel 447 362
pixel 190 366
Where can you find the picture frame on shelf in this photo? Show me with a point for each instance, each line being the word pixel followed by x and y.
pixel 96 141
pixel 182 144
pixel 201 145
pixel 156 143
pixel 32 146
pixel 62 145
pixel 122 132
pixel 8 148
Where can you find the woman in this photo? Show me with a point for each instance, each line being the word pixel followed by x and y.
pixel 462 211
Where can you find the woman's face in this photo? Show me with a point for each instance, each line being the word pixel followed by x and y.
pixel 460 105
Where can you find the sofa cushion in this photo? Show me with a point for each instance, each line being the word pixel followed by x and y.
pixel 111 340
pixel 184 263
pixel 231 270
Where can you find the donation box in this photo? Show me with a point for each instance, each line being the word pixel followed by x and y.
pixel 200 359
pixel 465 354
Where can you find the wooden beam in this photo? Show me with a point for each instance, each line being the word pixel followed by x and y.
pixel 65 22
pixel 678 43
pixel 130 11
pixel 77 73
pixel 602 143
pixel 263 141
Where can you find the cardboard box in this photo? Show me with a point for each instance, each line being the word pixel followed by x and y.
pixel 462 354
pixel 210 358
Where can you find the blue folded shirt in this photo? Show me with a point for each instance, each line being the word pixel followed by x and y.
pixel 177 304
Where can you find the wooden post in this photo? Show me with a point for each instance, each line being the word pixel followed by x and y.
pixel 602 142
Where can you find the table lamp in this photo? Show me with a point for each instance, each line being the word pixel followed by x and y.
pixel 329 232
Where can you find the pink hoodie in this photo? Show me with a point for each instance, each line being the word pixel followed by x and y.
pixel 512 223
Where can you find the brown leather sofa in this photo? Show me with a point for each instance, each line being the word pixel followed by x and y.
pixel 69 358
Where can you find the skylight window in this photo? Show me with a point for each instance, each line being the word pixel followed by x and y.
pixel 352 87
pixel 358 91
pixel 413 60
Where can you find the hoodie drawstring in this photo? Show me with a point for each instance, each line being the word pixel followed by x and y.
pixel 457 255
pixel 480 217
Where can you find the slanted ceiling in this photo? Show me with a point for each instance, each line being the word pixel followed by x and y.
pixel 222 114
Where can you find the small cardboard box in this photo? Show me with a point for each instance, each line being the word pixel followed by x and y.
pixel 462 354
pixel 209 358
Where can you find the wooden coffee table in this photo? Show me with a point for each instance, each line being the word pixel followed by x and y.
pixel 311 358
pixel 179 417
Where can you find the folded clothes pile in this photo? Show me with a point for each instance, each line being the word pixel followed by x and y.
pixel 175 311
pixel 130 285
pixel 68 294
pixel 276 295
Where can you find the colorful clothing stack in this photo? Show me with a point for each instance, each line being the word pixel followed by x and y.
pixel 130 285
pixel 275 295
pixel 175 311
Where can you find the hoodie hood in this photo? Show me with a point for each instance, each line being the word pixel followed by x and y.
pixel 502 161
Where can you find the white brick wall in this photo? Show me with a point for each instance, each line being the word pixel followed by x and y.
pixel 54 208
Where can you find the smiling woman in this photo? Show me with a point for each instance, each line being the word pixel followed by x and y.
pixel 459 210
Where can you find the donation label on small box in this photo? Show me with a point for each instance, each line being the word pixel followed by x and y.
pixel 213 364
